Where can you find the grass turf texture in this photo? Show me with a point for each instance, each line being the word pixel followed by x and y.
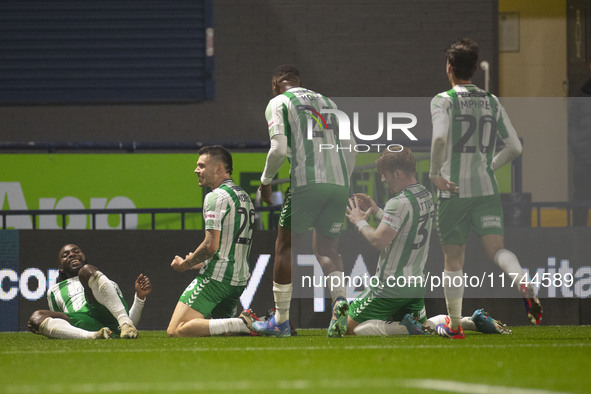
pixel 532 360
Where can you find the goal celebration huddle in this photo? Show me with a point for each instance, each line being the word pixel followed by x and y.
pixel 466 123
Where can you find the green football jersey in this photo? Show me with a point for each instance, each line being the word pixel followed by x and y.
pixel 314 150
pixel 410 213
pixel 230 210
pixel 68 296
pixel 469 119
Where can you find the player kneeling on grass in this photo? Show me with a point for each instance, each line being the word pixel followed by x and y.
pixel 222 257
pixel 85 304
pixel 402 236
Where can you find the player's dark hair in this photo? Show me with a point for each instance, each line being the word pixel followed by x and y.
pixel 220 153
pixel 391 161
pixel 462 55
pixel 286 72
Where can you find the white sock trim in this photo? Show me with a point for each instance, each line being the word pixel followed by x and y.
pixel 454 294
pixel 224 326
pixel 509 263
pixel 60 329
pixel 336 291
pixel 282 296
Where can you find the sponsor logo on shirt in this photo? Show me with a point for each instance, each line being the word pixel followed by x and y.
pixel 336 228
pixel 388 218
pixel 491 221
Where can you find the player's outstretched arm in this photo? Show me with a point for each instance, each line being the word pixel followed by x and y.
pixel 143 287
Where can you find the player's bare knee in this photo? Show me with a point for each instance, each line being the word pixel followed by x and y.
pixel 38 317
pixel 492 244
pixel 172 332
pixel 326 247
pixel 35 321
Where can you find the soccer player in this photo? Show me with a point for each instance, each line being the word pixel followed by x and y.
pixel 221 258
pixel 319 189
pixel 402 236
pixel 85 304
pixel 466 123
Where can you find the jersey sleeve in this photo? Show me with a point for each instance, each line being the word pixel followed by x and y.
pixel 275 158
pixel 274 116
pixel 392 216
pixel 504 127
pixel 440 120
pixel 135 312
pixel 505 130
pixel 213 211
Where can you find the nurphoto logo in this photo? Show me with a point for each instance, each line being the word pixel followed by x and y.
pixel 388 122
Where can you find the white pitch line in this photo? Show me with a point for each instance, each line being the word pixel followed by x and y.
pixel 251 385
pixel 289 348
pixel 472 388
pixel 245 385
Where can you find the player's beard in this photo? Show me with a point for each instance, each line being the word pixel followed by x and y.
pixel 70 272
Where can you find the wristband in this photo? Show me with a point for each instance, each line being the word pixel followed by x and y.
pixel 362 223
pixel 379 214
pixel 266 181
pixel 137 299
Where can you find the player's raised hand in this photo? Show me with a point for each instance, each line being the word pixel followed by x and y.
pixel 366 203
pixel 181 265
pixel 354 213
pixel 143 286
pixel 178 264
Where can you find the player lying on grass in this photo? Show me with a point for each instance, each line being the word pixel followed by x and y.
pixel 222 257
pixel 85 304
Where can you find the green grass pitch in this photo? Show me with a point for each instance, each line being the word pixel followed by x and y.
pixel 531 360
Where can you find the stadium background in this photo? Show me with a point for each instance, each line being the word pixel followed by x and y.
pixel 343 48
